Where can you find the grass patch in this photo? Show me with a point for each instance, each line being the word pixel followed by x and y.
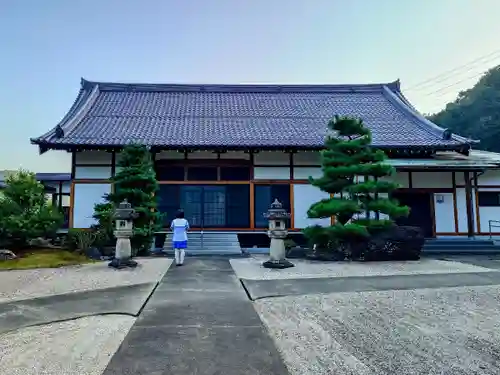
pixel 43 258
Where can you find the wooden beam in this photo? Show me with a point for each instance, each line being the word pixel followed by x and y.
pixel 455 205
pixel 468 203
pixel 252 205
pixel 71 204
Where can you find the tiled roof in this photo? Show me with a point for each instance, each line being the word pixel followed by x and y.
pixel 234 116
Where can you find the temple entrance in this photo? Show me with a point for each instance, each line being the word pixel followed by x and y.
pixel 421 210
pixel 207 206
pixel 204 206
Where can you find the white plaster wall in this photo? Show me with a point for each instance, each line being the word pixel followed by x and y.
pixel 462 210
pixel 235 155
pixel 86 196
pixel 485 215
pixel 202 155
pixel 97 172
pixel 303 197
pixel 303 173
pixel 93 157
pixel 432 179
pixel 491 177
pixel 307 158
pixel 272 158
pixel 444 213
pixel 271 173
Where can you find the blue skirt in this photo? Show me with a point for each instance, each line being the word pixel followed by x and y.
pixel 180 244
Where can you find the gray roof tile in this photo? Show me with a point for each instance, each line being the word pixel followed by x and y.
pixel 114 114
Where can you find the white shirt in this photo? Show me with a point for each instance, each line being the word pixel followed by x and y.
pixel 180 228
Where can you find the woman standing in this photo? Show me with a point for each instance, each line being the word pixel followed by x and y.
pixel 179 226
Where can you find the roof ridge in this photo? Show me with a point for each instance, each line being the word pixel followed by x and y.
pixel 235 88
pixel 400 100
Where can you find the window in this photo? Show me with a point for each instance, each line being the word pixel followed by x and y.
pixel 169 202
pixel 264 196
pixel 238 206
pixel 488 198
pixel 202 174
pixel 164 173
pixel 235 173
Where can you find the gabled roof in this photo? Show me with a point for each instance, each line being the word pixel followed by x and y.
pixel 239 116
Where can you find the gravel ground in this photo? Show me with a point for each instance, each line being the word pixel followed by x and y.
pixel 449 331
pixel 78 347
pixel 251 268
pixel 26 284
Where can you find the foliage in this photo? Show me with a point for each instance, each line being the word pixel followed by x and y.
pixel 24 211
pixel 81 239
pixel 104 215
pixel 475 113
pixel 136 182
pixel 352 172
pixel 49 258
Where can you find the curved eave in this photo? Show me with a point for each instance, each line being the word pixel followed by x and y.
pixel 82 104
pixel 46 146
pixel 398 98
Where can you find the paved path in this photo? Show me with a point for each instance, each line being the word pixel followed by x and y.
pixel 126 300
pixel 198 321
pixel 258 289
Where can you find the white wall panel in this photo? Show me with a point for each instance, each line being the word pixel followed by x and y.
pixel 444 213
pixel 271 173
pixel 202 155
pixel 491 177
pixel 303 197
pixel 90 173
pixel 93 157
pixel 303 173
pixel 272 157
pixel 485 215
pixel 307 158
pixel 440 179
pixel 86 196
pixel 235 155
pixel 462 210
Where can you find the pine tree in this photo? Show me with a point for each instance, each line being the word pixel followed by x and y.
pixel 136 182
pixel 352 172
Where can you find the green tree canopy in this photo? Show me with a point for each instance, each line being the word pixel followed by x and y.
pixel 476 112
pixel 352 172
pixel 25 213
pixel 136 182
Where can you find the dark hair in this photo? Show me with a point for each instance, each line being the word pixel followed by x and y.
pixel 179 214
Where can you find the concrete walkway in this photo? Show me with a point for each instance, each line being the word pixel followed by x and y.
pixel 125 300
pixel 198 321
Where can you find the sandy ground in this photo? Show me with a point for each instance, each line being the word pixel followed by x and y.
pixel 251 268
pixel 449 331
pixel 79 347
pixel 26 284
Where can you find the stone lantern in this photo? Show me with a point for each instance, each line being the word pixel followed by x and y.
pixel 124 216
pixel 277 217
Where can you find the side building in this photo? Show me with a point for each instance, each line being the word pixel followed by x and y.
pixel 224 152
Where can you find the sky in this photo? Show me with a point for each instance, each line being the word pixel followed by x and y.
pixel 47 46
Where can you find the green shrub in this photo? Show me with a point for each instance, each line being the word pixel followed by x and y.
pixel 25 213
pixel 80 239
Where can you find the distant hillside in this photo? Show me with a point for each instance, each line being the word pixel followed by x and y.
pixel 476 112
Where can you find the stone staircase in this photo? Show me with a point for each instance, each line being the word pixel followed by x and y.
pixel 208 243
pixel 461 246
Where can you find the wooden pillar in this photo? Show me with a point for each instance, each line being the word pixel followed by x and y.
pixel 469 206
pixel 59 203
